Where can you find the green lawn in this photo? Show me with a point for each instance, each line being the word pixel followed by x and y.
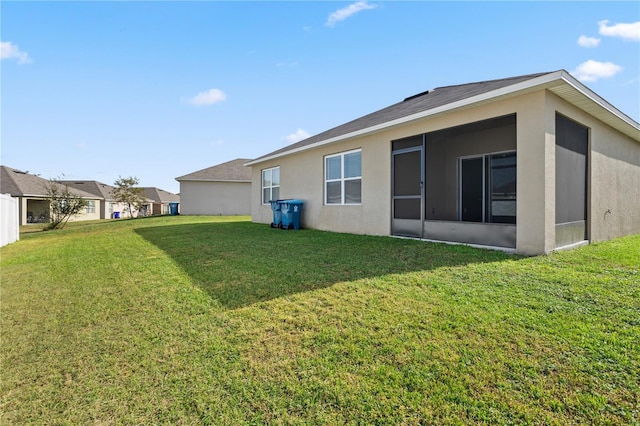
pixel 204 320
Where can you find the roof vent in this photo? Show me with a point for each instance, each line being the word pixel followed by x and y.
pixel 418 95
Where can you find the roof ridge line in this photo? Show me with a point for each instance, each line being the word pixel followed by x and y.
pixel 426 92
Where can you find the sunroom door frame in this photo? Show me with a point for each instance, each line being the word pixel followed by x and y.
pixel 408 220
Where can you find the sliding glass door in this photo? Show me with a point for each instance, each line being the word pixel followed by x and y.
pixel 487 190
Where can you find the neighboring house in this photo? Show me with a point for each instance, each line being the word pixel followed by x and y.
pixel 531 164
pixel 109 208
pixel 224 190
pixel 158 201
pixel 33 202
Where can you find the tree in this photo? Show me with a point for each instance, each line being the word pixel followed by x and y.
pixel 128 193
pixel 63 204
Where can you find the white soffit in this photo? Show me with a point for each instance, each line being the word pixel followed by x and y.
pixel 583 98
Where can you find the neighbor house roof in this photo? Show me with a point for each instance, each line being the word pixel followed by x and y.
pixel 442 100
pixel 23 184
pixel 233 170
pixel 94 187
pixel 158 195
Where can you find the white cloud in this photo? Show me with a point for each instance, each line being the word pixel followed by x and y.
pixel 346 12
pixel 9 50
pixel 592 71
pixel 585 41
pixel 297 136
pixel 209 97
pixel 626 31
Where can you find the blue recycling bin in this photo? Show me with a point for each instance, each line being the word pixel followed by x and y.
pixel 277 213
pixel 173 208
pixel 291 211
pixel 116 215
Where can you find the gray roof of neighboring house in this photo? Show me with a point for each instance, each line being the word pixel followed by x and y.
pixel 94 187
pixel 20 184
pixel 160 196
pixel 233 170
pixel 449 98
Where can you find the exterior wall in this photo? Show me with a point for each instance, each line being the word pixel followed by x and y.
pixel 535 217
pixel 109 208
pixel 301 175
pixel 39 206
pixel 158 209
pixel 613 199
pixel 215 198
pixel 615 185
pixel 88 216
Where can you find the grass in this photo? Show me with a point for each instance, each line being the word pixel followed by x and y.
pixel 205 320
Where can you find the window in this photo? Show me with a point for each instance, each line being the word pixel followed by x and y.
pixel 270 184
pixel 343 178
pixel 488 188
pixel 91 206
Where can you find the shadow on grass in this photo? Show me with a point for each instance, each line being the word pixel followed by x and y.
pixel 241 263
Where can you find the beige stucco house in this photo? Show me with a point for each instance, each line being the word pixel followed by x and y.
pixel 158 201
pixel 33 202
pixel 109 207
pixel 224 189
pixel 530 164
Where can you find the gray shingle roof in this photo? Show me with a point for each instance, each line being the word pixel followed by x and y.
pixel 414 104
pixel 158 195
pixel 229 171
pixel 18 184
pixel 94 187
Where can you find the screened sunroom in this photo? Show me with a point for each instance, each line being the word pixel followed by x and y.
pixel 457 184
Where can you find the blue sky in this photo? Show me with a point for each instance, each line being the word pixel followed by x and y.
pixel 97 90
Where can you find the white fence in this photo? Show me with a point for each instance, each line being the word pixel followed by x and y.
pixel 9 220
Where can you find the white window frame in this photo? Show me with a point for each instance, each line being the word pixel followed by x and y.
pixel 342 179
pixel 263 187
pixel 91 206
